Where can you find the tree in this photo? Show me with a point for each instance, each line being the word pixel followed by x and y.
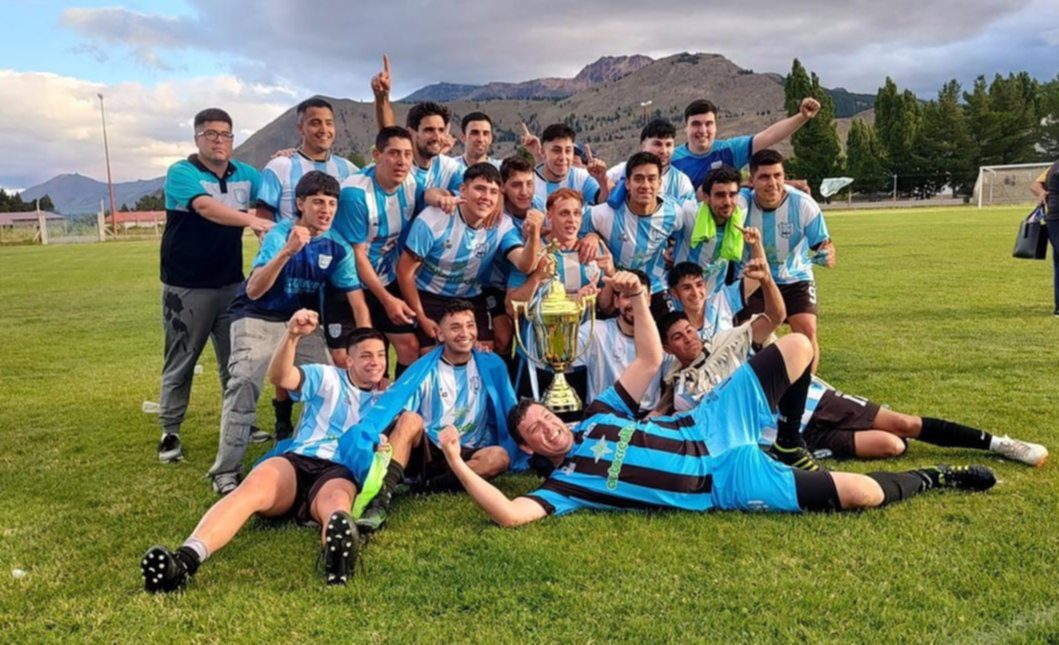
pixel 865 159
pixel 1003 119
pixel 151 202
pixel 896 119
pixel 1048 115
pixel 357 159
pixel 817 151
pixel 46 204
pixel 943 151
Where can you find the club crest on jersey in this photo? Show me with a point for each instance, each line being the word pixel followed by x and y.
pixel 716 164
pixel 479 250
pixel 324 261
pixel 334 330
pixel 242 196
pixel 785 229
pixel 475 384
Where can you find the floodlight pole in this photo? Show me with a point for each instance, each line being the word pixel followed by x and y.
pixel 110 180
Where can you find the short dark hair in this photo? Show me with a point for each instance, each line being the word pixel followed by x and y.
pixel 314 102
pixel 720 175
pixel 669 319
pixel 766 157
pixel 483 170
pixel 474 116
pixel 361 334
pixel 658 129
pixel 642 159
pixel 316 182
pixel 515 417
pixel 683 270
pixel 212 114
pixel 422 110
pixel 640 275
pixel 699 106
pixel 557 131
pixel 458 305
pixel 390 132
pixel 512 165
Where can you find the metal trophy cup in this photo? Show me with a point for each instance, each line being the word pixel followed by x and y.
pixel 555 319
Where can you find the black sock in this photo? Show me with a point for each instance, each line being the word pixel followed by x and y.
pixel 283 410
pixel 791 408
pixel 953 435
pixel 398 370
pixel 899 486
pixel 444 482
pixel 394 476
pixel 190 559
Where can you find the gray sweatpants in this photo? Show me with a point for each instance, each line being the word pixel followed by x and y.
pixel 189 317
pixel 253 342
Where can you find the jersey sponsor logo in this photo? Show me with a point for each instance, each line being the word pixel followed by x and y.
pixel 716 164
pixel 324 261
pixel 614 472
pixel 480 249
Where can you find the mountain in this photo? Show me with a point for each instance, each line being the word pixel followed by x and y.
pixel 75 194
pixel 848 103
pixel 608 68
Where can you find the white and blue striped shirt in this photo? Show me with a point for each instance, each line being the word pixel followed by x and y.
pixel 368 214
pixel 576 178
pixel 720 309
pixel 608 351
pixel 457 258
pixel 788 233
pixel 281 175
pixel 455 395
pixel 333 405
pixel 637 242
pixel 675 184
pixel 444 172
pixel 705 254
pixel 502 267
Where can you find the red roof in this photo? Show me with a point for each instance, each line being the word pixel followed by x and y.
pixel 127 217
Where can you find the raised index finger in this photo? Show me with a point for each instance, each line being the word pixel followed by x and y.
pixel 386 64
pixel 588 153
pixel 526 130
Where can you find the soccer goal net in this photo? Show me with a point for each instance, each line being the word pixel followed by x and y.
pixel 1001 185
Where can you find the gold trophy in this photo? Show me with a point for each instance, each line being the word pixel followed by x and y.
pixel 555 320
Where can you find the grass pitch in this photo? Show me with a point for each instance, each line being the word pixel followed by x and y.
pixel 926 312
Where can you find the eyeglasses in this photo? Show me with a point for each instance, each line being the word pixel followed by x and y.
pixel 214 135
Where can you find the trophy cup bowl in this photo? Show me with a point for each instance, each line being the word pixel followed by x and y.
pixel 555 323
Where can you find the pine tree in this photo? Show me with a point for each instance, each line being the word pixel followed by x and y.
pixel 896 119
pixel 865 159
pixel 943 150
pixel 817 151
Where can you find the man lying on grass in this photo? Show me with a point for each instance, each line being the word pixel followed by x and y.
pixel 700 460
pixel 311 478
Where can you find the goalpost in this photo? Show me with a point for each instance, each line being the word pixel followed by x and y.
pixel 1009 184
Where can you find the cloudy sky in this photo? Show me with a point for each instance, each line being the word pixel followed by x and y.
pixel 158 62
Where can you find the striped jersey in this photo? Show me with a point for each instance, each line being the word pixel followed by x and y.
pixel 608 351
pixel 675 184
pixel 324 260
pixel 443 172
pixel 720 309
pixel 281 175
pixel 576 178
pixel 706 253
pixel 734 152
pixel 333 405
pixel 457 258
pixel 455 395
pixel 502 267
pixel 369 214
pixel 788 233
pixel 617 462
pixel 638 242
pixel 569 269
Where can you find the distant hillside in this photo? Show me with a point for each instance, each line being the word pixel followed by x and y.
pixel 847 103
pixel 75 194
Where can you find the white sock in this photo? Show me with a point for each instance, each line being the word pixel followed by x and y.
pixel 198 547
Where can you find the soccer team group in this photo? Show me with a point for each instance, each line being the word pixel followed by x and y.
pixel 692 402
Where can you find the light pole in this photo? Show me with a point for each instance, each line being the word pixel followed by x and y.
pixel 645 105
pixel 110 180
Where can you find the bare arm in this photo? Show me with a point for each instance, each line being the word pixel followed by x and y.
pixel 780 130
pixel 643 370
pixel 505 512
pixel 281 370
pixel 361 315
pixel 396 309
pixel 1040 191
pixel 380 87
pixel 218 213
pixel 525 258
pixel 407 267
pixel 262 278
pixel 756 274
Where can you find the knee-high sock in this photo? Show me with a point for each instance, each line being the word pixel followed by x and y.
pixel 953 435
pixel 791 408
pixel 899 486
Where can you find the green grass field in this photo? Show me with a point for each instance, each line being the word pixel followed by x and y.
pixel 926 312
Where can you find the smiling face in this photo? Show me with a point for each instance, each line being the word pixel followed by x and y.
pixel 481 197
pixel 317 212
pixel 644 182
pixel 518 192
pixel 429 135
pixel 477 138
pixel 458 332
pixel 662 148
pixel 558 157
pixel 544 434
pixel 701 130
pixel 564 218
pixel 683 342
pixel 722 200
pixel 317 127
pixel 768 185
pixel 691 292
pixel 393 162
pixel 366 363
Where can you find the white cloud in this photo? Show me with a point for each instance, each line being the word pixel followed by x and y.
pixel 59 129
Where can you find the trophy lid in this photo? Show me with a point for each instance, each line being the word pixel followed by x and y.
pixel 555 301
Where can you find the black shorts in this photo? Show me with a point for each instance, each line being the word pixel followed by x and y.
pixel 427 461
pixel 494 301
pixel 379 319
pixel 338 318
pixel 310 476
pixel 837 418
pixel 799 298
pixel 434 307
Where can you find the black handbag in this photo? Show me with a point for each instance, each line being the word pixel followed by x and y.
pixel 1032 240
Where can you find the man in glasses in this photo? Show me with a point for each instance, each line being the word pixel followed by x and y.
pixel 207 197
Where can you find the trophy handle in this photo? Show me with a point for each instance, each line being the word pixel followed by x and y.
pixel 522 306
pixel 589 303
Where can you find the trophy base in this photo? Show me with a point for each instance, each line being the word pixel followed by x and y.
pixel 560 396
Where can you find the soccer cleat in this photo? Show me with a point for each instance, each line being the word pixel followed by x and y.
pixel 225 484
pixel 169 450
pixel 341 542
pixel 972 477
pixel 257 435
pixel 794 456
pixel 374 516
pixel 1033 454
pixel 162 570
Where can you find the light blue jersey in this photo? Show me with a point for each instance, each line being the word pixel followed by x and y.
pixel 705 253
pixel 502 267
pixel 734 152
pixel 572 273
pixel 369 214
pixel 675 184
pixel 577 179
pixel 787 233
pixel 443 172
pixel 453 395
pixel 720 309
pixel 282 174
pixel 638 242
pixel 457 258
pixel 333 405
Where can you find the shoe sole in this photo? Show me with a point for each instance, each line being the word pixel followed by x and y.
pixel 153 567
pixel 260 438
pixel 170 457
pixel 340 544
